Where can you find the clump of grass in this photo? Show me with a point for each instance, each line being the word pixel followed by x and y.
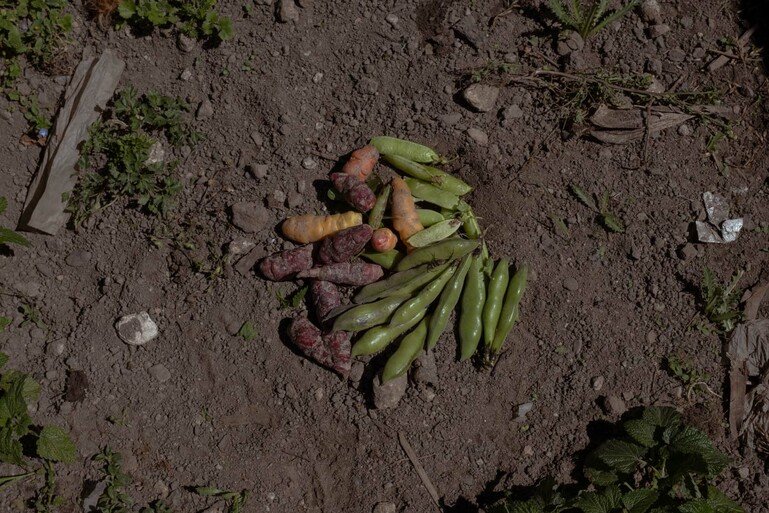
pixel 588 18
pixel 116 156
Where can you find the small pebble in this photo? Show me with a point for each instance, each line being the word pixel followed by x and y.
pixel 479 136
pixel 385 507
pixel 309 163
pixel 597 383
pixel 160 373
pixel 136 329
pixel 571 284
pixel 392 19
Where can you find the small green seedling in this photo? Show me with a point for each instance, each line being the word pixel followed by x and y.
pixel 588 18
pixel 691 378
pixel 720 303
pixel 197 19
pixel 8 236
pixel 247 332
pixel 234 500
pixel 600 205
pixel 292 300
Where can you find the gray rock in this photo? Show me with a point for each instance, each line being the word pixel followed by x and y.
pixel 450 119
pixel 597 383
pixel 239 246
pixel 687 251
pixel 205 110
pixel 651 12
pixel 185 43
pixel 78 258
pixel 385 507
pixel 295 199
pixel 614 405
pixel 685 130
pixel 568 42
pixel 389 394
pixel 250 217
pixel 277 199
pixel 136 329
pixel 570 284
pixel 356 372
pixel 309 163
pixel 257 138
pixel 478 136
pixel 656 31
pixel 258 171
pixel 676 55
pixel 469 29
pixel 512 112
pixel 393 20
pixel 481 97
pixel 523 410
pixel 160 373
pixel 287 11
pixel 186 75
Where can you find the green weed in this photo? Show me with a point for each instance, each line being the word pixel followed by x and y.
pixel 197 19
pixel 234 500
pixel 720 303
pixel 120 149
pixel 692 379
pixel 600 205
pixel 35 29
pixel 8 236
pixel 655 464
pixel 247 331
pixel 292 300
pixel 590 18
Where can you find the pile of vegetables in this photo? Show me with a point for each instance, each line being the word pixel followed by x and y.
pixel 435 259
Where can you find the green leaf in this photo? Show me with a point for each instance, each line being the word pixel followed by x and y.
pixel 662 416
pixel 639 501
pixel 127 9
pixel 4 323
pixel 208 491
pixel 55 444
pixel 691 441
pixel 612 222
pixel 696 506
pixel 247 331
pixel 11 450
pixel 3 204
pixel 620 455
pixel 3 356
pixel 641 431
pixel 28 387
pixel 721 503
pixel 600 502
pixel 8 236
pixel 584 197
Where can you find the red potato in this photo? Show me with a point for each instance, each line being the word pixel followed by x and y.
pixel 354 190
pixel 383 240
pixel 338 345
pixel 352 273
pixel 307 338
pixel 285 264
pixel 325 297
pixel 361 163
pixel 344 245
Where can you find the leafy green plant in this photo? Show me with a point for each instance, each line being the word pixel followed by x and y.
pixel 292 300
pixel 36 29
pixel 720 303
pixel 23 444
pixel 114 499
pixel 600 205
pixel 247 331
pixel 655 464
pixel 589 18
pixel 197 19
pixel 122 146
pixel 690 377
pixel 8 236
pixel 235 500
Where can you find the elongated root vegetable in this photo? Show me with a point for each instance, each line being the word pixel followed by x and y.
pixel 310 228
pixel 344 245
pixel 383 240
pixel 362 162
pixel 286 263
pixel 404 214
pixel 325 298
pixel 330 350
pixel 354 273
pixel 354 190
pixel 406 149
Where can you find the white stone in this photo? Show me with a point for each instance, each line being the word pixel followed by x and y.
pixel 136 329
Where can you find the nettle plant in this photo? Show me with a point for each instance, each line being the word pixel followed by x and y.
pixel 656 465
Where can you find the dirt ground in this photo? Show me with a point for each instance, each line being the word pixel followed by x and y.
pixel 255 415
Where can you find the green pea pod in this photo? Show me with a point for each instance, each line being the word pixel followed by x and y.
pixel 424 299
pixel 409 350
pixel 449 249
pixel 412 151
pixel 471 226
pixel 379 337
pixel 435 233
pixel 399 283
pixel 431 175
pixel 510 310
pixel 495 296
pixel 448 300
pixel 470 317
pixel 429 217
pixel 431 194
pixel 363 317
pixel 388 259
pixel 377 213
